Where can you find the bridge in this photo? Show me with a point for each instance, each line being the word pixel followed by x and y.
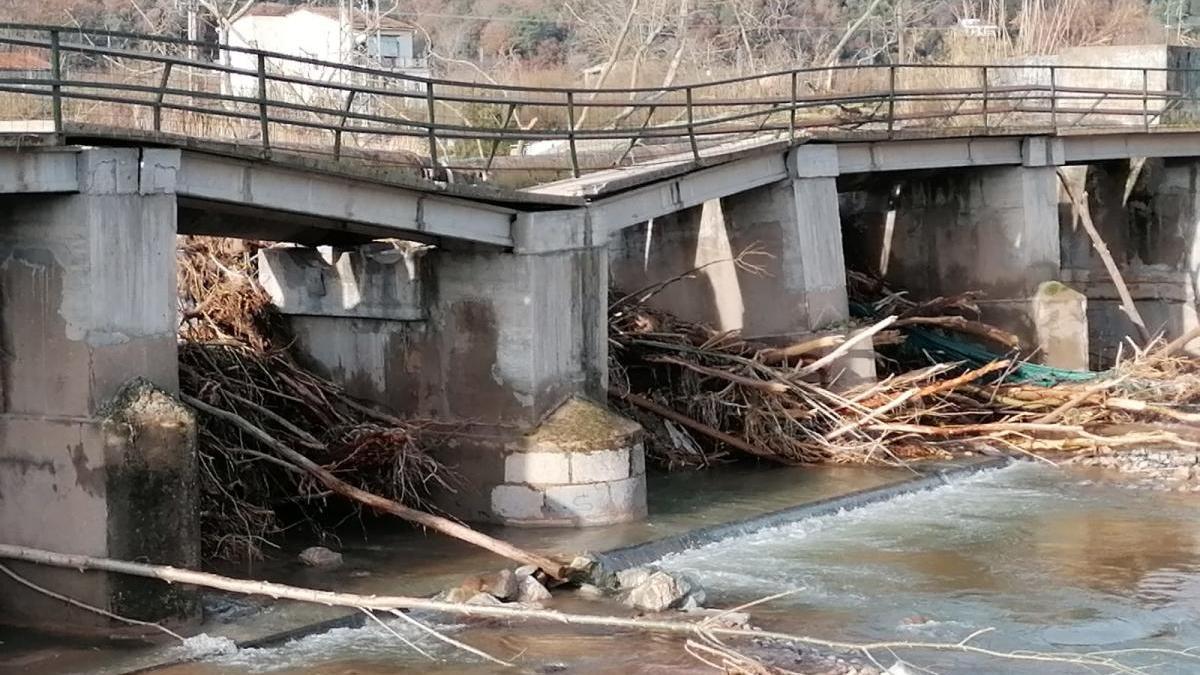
pixel 532 202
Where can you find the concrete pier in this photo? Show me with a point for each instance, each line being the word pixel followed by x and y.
pixel 95 456
pixel 1146 211
pixel 495 347
pixel 799 285
pixel 991 229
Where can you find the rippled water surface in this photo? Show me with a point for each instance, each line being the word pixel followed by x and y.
pixel 1047 559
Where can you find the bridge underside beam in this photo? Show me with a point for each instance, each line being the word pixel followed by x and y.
pixel 940 153
pixel 611 214
pixel 1085 148
pixel 41 171
pixel 373 209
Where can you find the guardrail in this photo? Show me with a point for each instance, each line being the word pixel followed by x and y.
pixel 274 100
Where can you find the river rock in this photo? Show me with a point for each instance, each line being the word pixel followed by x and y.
pixel 525 571
pixel 484 599
pixel 530 591
pixel 502 584
pixel 319 556
pixel 660 592
pixel 633 577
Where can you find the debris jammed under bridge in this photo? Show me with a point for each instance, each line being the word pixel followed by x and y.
pixel 233 356
pixel 948 384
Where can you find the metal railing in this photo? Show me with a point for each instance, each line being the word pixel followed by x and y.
pixel 271 100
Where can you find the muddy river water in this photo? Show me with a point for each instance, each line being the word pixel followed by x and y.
pixel 1049 560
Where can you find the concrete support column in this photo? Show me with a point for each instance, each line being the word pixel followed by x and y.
pixel 992 229
pixel 506 350
pixel 801 286
pixel 91 462
pixel 1147 211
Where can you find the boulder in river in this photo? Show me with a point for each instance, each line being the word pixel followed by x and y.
pixel 633 577
pixel 661 591
pixel 484 599
pixel 531 591
pixel 319 556
pixel 502 585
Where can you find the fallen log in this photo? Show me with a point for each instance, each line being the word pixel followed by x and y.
pixel 781 354
pixel 396 603
pixel 446 526
pixel 960 325
pixel 715 434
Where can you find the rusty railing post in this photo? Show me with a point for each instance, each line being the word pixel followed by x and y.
pixel 1146 99
pixel 162 93
pixel 431 105
pixel 891 123
pixel 792 122
pixel 512 111
pixel 1053 98
pixel 337 133
pixel 571 133
pixel 691 124
pixel 263 120
pixel 984 73
pixel 56 106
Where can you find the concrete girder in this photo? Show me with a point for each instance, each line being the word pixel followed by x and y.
pixel 612 214
pixel 928 154
pixel 351 202
pixel 1083 149
pixel 42 171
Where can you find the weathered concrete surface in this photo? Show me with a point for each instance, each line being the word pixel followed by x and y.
pixel 1146 212
pixel 991 229
pixel 800 285
pixel 373 281
pixel 487 344
pixel 506 339
pixel 87 302
pixel 1061 321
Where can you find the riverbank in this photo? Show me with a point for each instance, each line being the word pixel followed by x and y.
pixel 1161 470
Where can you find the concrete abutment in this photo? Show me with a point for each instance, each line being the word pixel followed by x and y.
pixel 96 456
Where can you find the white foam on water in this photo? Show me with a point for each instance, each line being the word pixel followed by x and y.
pixel 204 646
pixel 366 643
pixel 920 502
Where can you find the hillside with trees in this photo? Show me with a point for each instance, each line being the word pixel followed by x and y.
pixel 622 42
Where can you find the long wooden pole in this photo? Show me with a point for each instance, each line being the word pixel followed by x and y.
pixel 399 602
pixel 444 525
pixel 1085 218
pixel 715 434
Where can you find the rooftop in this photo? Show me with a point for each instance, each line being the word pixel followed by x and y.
pixel 360 20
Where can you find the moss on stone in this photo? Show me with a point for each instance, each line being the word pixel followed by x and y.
pixel 580 425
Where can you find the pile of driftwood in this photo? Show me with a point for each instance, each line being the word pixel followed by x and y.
pixel 233 357
pixel 705 396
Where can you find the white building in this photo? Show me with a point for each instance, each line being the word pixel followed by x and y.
pixel 331 34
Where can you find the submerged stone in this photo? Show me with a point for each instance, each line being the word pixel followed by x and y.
pixel 503 584
pixel 319 556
